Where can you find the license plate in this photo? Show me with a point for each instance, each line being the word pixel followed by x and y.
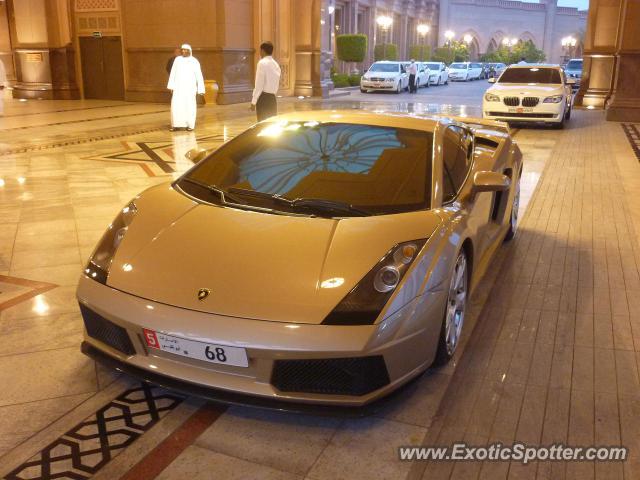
pixel 376 85
pixel 208 352
pixel 521 110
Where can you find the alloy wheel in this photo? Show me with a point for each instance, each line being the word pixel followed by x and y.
pixel 456 304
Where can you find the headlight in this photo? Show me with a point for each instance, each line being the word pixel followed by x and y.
pixel 490 97
pixel 554 99
pixel 363 304
pixel 100 262
pixel 366 78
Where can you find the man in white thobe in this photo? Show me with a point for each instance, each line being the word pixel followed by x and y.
pixel 185 82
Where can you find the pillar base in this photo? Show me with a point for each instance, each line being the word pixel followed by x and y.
pixel 624 110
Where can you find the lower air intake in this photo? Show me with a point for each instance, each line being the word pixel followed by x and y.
pixel 106 332
pixel 333 376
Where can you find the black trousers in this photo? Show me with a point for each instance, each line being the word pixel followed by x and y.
pixel 266 106
pixel 412 84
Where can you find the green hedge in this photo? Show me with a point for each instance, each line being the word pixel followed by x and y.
pixel 354 80
pixel 420 53
pixel 351 48
pixel 385 51
pixel 340 80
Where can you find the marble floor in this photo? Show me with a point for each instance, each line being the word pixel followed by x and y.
pixel 550 352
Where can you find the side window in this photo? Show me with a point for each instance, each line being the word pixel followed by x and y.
pixel 457 158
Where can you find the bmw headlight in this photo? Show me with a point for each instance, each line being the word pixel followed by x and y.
pixel 363 304
pixel 100 261
pixel 554 99
pixel 490 97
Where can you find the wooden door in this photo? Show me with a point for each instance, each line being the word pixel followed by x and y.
pixel 102 71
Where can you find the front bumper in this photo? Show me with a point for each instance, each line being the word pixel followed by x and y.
pixel 368 85
pixel 406 350
pixel 543 112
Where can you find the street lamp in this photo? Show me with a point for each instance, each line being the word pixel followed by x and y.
pixel 449 35
pixel 467 39
pixel 423 29
pixel 568 44
pixel 509 42
pixel 384 22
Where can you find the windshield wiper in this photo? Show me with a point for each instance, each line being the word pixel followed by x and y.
pixel 328 206
pixel 312 204
pixel 254 193
pixel 224 195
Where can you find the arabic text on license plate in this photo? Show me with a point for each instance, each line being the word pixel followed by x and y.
pixel 208 352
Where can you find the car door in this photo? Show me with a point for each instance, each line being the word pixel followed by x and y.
pixel 458 158
pixel 444 72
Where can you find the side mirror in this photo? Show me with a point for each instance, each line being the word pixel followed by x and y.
pixel 492 80
pixel 197 154
pixel 484 181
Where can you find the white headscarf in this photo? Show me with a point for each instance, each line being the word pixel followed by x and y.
pixel 186 46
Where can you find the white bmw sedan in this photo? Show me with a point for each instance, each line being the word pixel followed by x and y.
pixel 529 93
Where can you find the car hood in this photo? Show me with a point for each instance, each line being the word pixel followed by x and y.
pixel 255 265
pixel 526 89
pixel 458 70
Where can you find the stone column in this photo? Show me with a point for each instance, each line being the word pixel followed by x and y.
pixel 443 22
pixel 313 47
pixel 549 26
pixel 6 55
pixel 600 45
pixel 624 104
pixel 42 49
pixel 404 33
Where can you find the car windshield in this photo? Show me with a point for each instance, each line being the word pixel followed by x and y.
pixel 318 169
pixel 459 66
pixel 530 75
pixel 574 65
pixel 384 67
pixel 433 66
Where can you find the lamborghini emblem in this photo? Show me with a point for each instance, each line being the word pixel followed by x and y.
pixel 203 293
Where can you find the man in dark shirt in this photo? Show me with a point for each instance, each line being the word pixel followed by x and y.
pixel 176 53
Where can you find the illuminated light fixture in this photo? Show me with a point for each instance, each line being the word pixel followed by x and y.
pixel 334 282
pixel 569 41
pixel 423 29
pixel 21 180
pixel 2 182
pixel 384 21
pixel 449 34
pixel 301 97
pixel 467 38
pixel 127 267
pixel 331 9
pixel 590 107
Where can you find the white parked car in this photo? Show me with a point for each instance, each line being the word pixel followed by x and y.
pixel 422 76
pixel 439 73
pixel 573 69
pixel 385 75
pixel 529 93
pixel 464 71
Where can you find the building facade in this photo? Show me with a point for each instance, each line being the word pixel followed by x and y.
pixel 118 49
pixel 488 22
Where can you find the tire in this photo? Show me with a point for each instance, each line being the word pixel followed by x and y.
pixel 560 125
pixel 513 219
pixel 439 82
pixel 398 89
pixel 454 313
pixel 567 115
pixel 362 90
pixel 446 81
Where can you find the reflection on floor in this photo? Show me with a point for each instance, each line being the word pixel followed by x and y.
pixel 553 355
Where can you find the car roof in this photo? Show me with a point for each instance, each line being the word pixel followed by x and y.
pixel 535 65
pixel 383 119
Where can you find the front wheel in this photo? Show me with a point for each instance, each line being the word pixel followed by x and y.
pixel 454 313
pixel 513 221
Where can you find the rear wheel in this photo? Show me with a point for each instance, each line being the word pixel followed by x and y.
pixel 454 313
pixel 362 90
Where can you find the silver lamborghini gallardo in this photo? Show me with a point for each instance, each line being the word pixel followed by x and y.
pixel 320 257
